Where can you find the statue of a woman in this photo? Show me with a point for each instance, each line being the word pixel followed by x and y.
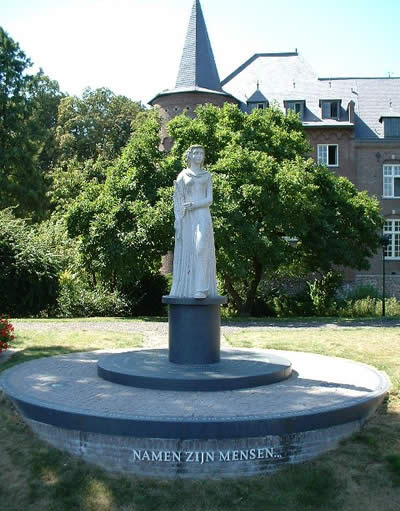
pixel 194 254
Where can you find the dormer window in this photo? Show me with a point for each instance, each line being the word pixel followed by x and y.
pixel 391 125
pixel 257 101
pixel 330 108
pixel 298 106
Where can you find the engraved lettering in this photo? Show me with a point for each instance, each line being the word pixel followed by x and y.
pixel 202 457
pixel 210 456
pixel 223 457
pixel 244 455
pixel 269 451
pixel 136 455
pixel 156 456
pixel 176 456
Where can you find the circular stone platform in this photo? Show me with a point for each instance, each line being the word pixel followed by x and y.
pixel 195 434
pixel 151 369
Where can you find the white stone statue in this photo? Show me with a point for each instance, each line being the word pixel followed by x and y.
pixel 194 273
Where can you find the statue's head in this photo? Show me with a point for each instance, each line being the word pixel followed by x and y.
pixel 195 153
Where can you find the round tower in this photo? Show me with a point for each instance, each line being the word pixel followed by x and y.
pixel 197 82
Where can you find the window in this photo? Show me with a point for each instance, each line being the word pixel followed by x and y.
pixel 261 106
pixel 330 109
pixel 391 181
pixel 296 106
pixel 391 127
pixel 327 154
pixel 392 229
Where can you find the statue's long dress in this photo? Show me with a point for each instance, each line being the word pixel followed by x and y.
pixel 194 254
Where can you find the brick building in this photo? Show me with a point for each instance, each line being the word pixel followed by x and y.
pixel 353 123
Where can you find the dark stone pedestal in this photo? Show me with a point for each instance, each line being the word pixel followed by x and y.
pixel 194 329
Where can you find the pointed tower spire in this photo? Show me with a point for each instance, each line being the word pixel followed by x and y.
pixel 198 68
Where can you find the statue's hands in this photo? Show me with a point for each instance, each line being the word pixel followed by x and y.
pixel 188 206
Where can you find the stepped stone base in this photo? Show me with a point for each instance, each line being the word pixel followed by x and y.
pixel 192 434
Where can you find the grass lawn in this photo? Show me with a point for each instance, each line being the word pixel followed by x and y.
pixel 363 474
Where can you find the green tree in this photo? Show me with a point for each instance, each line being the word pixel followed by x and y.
pixel 46 97
pixel 98 125
pixel 124 225
pixel 91 132
pixel 28 107
pixel 20 179
pixel 267 193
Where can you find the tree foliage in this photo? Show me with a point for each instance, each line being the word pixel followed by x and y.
pixel 96 125
pixel 29 270
pixel 28 106
pixel 91 132
pixel 124 225
pixel 267 194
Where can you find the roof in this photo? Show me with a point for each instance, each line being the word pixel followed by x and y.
pixel 197 67
pixel 284 76
pixel 257 97
pixel 197 70
pixel 184 90
pixel 389 113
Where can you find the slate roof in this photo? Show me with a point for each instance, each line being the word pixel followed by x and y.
pixel 197 71
pixel 287 76
pixel 197 67
pixel 389 113
pixel 257 97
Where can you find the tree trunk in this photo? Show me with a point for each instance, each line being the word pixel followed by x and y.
pixel 237 301
pixel 252 289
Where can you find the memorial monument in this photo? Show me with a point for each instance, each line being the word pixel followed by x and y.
pixel 194 273
pixel 194 304
pixel 193 411
pixel 193 361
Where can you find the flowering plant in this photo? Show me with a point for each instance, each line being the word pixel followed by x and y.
pixel 6 332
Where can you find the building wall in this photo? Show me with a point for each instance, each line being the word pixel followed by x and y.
pixel 344 138
pixel 370 156
pixel 171 105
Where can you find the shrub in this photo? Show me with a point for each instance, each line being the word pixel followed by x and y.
pixel 6 332
pixel 323 292
pixel 369 307
pixel 299 304
pixel 362 291
pixel 144 295
pixel 77 299
pixel 29 268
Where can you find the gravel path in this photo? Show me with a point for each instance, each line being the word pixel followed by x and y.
pixel 156 332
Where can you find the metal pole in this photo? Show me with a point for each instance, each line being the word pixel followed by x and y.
pixel 383 281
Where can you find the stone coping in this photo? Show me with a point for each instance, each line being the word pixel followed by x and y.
pixel 180 300
pixel 151 369
pixel 65 391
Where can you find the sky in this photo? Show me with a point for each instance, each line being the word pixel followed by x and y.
pixel 134 47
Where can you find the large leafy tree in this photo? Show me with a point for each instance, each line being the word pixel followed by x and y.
pixel 97 125
pixel 91 132
pixel 268 193
pixel 28 107
pixel 124 225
